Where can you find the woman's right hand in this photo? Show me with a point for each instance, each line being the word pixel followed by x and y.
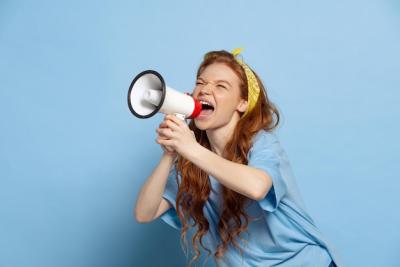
pixel 168 151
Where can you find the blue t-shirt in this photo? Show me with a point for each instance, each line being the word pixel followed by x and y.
pixel 284 234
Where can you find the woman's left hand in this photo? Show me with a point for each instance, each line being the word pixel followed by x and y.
pixel 180 137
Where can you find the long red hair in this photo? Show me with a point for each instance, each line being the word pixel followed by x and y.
pixel 194 187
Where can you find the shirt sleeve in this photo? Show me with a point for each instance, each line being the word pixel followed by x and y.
pixel 170 193
pixel 265 155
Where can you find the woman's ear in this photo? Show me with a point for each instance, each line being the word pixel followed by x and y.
pixel 242 106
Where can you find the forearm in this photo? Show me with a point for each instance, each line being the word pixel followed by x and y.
pixel 150 195
pixel 243 179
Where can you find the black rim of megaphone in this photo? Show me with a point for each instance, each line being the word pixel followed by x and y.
pixel 162 96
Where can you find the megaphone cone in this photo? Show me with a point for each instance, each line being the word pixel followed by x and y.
pixel 148 94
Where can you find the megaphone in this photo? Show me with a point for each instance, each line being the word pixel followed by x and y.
pixel 148 94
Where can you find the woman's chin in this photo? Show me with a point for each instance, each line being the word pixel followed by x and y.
pixel 202 121
pixel 201 125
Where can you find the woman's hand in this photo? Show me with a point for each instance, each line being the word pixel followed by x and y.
pixel 168 151
pixel 177 136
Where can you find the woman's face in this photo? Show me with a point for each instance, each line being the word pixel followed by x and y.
pixel 218 85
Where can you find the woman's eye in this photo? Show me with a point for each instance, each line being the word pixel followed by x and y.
pixel 199 83
pixel 221 86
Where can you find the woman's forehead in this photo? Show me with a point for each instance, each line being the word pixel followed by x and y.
pixel 218 72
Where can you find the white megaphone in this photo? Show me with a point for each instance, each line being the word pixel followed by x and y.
pixel 148 94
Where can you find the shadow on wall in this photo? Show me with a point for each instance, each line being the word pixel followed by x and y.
pixel 157 244
pixel 126 243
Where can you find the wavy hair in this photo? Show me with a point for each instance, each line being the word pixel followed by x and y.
pixel 194 187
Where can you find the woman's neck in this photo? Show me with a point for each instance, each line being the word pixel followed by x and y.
pixel 218 137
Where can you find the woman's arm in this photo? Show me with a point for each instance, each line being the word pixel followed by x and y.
pixel 251 182
pixel 149 204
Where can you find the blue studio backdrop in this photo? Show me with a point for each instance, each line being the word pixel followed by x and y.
pixel 73 158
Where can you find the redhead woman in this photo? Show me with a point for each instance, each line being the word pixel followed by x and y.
pixel 225 180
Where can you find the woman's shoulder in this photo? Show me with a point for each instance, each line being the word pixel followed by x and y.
pixel 264 136
pixel 264 140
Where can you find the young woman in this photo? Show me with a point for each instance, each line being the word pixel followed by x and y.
pixel 227 174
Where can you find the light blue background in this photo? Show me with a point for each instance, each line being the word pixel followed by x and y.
pixel 73 158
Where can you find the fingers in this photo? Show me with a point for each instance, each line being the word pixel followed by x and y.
pixel 170 124
pixel 176 120
pixel 168 129
pixel 168 149
pixel 166 142
pixel 165 132
pixel 167 123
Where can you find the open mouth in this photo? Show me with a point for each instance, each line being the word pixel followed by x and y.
pixel 206 109
pixel 206 105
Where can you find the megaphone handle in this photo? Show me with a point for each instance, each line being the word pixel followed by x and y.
pixel 180 116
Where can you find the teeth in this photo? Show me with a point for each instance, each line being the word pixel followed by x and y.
pixel 205 102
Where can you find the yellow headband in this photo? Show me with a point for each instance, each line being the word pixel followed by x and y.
pixel 252 84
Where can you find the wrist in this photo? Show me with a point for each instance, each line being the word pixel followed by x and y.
pixel 193 152
pixel 170 158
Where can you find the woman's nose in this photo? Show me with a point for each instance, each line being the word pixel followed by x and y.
pixel 206 89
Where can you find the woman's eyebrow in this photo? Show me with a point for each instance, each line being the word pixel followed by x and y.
pixel 217 81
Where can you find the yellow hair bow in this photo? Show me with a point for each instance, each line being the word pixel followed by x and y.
pixel 252 84
pixel 236 51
